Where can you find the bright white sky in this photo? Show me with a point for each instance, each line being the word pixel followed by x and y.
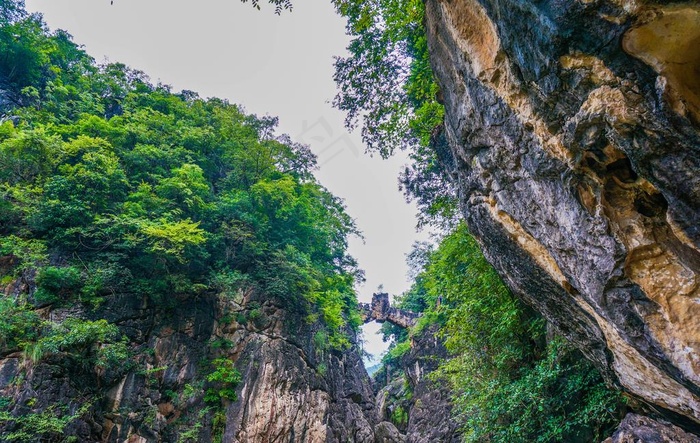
pixel 276 65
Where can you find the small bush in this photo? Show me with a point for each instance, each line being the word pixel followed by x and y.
pixel 30 252
pixel 93 343
pixel 19 324
pixel 225 378
pixel 255 314
pixel 400 416
pixel 321 340
pixel 48 425
pixel 396 352
pixel 221 343
pixel 57 284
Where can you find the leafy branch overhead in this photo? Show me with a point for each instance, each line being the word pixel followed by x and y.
pixel 280 5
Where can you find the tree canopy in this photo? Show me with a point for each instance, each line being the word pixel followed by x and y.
pixel 111 184
pixel 386 87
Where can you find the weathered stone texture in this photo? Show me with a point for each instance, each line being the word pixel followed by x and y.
pixel 430 418
pixel 639 429
pixel 290 391
pixel 574 131
pixel 380 310
pixel 425 400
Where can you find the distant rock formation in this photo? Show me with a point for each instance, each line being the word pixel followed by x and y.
pixel 381 310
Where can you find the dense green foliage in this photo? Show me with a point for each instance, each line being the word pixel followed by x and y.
pixel 111 185
pixel 509 384
pixel 115 189
pixel 224 378
pixel 48 425
pixel 387 86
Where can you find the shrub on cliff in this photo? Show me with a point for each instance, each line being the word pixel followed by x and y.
pixel 508 383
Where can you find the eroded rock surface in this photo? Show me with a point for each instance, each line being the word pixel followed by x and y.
pixel 387 433
pixel 575 148
pixel 430 418
pixel 290 390
pixel 639 429
pixel 424 401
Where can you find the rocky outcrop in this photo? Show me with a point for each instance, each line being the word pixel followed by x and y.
pixel 638 429
pixel 573 129
pixel 414 399
pixel 430 418
pixel 409 396
pixel 387 433
pixel 380 310
pixel 291 391
pixel 293 388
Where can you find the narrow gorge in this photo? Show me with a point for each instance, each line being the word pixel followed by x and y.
pixel 172 270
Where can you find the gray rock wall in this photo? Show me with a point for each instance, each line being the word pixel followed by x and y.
pixel 574 129
pixel 289 392
pixel 639 429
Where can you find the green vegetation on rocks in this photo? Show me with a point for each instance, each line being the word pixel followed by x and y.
pixel 111 184
pixel 114 190
pixel 509 383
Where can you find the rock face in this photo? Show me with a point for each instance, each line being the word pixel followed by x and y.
pixel 638 429
pixel 290 390
pixel 430 416
pixel 573 131
pixel 426 410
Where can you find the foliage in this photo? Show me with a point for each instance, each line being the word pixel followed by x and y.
pixel 110 184
pixel 471 288
pixel 19 324
pixel 280 5
pixel 31 253
pixel 388 84
pixel 508 383
pixel 400 416
pixel 55 283
pixel 396 352
pixel 95 344
pixel 47 425
pixel 224 379
pixel 190 435
pixel 558 398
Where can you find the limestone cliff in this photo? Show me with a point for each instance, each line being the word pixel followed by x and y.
pixel 573 128
pixel 636 428
pixel 407 395
pixel 292 388
pixel 429 407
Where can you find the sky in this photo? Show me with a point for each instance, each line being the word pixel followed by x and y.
pixel 271 65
